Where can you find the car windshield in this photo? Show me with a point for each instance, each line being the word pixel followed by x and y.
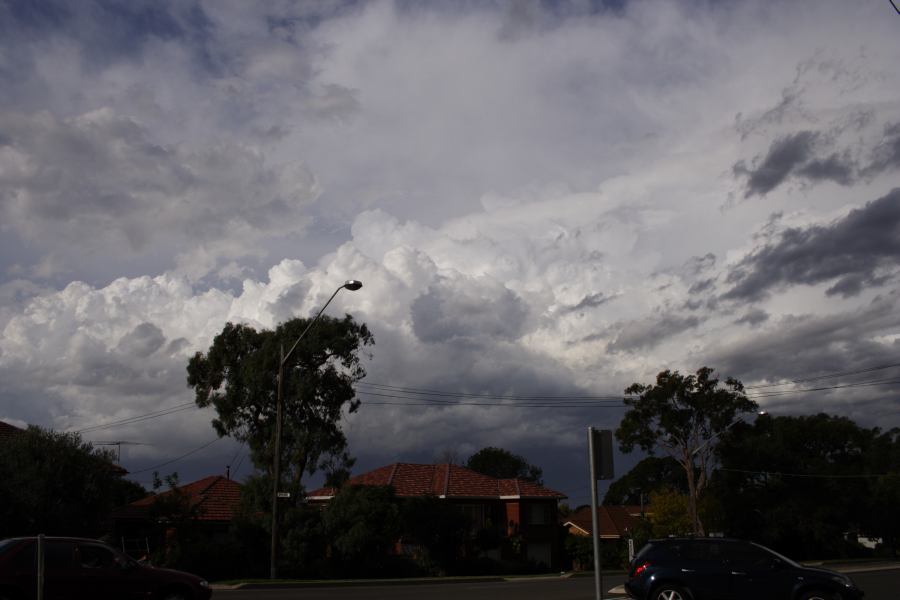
pixel 6 545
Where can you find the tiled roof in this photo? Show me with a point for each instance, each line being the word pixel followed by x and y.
pixel 7 430
pixel 615 521
pixel 450 481
pixel 217 498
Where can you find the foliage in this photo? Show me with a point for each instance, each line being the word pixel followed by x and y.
pixel 438 527
pixel 363 524
pixel 651 474
pixel 801 484
pixel 669 513
pixel 54 483
pixel 578 553
pixel 503 464
pixel 683 415
pixel 238 376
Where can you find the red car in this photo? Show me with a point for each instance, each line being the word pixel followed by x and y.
pixel 76 568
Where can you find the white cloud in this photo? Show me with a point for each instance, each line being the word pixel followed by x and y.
pixel 536 201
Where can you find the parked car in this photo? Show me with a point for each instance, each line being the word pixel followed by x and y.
pixel 727 569
pixel 76 568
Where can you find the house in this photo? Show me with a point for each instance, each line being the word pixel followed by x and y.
pixel 7 431
pixel 616 522
pixel 209 504
pixel 516 509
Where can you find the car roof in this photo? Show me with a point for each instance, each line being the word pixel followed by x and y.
pixel 55 538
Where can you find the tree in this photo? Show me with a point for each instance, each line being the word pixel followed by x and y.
pixel 651 474
pixel 683 416
pixel 669 513
pixel 363 523
pixel 55 483
pixel 800 484
pixel 503 464
pixel 238 376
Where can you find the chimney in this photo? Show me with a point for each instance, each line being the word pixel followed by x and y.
pixel 227 471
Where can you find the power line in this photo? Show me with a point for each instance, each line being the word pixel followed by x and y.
pixel 825 376
pixel 812 475
pixel 426 392
pixel 830 387
pixel 185 455
pixel 416 401
pixel 139 418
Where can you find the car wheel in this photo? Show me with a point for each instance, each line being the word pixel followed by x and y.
pixel 176 595
pixel 670 592
pixel 817 595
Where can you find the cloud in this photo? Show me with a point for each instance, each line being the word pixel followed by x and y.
pixel 99 180
pixel 857 251
pixel 644 333
pixel 784 156
pixel 535 196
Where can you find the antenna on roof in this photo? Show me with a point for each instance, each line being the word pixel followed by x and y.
pixel 118 444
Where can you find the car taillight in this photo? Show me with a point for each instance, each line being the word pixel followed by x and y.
pixel 639 569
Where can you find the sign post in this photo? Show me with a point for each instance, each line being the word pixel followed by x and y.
pixel 601 459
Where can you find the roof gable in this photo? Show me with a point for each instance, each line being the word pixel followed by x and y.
pixel 7 430
pixel 615 521
pixel 216 498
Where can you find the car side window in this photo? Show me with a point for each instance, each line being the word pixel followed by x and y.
pixel 95 557
pixel 58 555
pixel 749 556
pixel 25 559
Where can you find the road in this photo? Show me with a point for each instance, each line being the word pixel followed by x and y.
pixel 878 585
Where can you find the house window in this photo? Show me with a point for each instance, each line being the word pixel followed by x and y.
pixel 475 514
pixel 538 514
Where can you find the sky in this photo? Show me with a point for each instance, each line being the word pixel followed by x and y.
pixel 545 200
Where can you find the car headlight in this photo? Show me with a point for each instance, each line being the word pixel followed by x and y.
pixel 204 583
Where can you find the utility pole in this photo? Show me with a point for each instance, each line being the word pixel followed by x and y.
pixel 601 464
pixel 352 285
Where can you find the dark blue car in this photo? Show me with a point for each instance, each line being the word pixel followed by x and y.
pixel 726 569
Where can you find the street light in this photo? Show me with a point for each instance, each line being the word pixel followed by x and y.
pixel 352 285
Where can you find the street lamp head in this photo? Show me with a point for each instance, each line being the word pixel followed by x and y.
pixel 352 285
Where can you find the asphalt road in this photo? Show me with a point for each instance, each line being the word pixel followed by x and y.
pixel 878 585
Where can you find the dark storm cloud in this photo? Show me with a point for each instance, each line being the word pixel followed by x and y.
pixel 785 155
pixel 646 333
pixel 468 309
pixel 860 250
pixel 886 156
pixel 797 347
pixel 838 168
pixel 590 301
pixel 753 317
pixel 142 341
pixel 105 30
pixel 794 156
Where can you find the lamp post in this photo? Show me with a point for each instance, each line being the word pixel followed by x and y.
pixel 352 285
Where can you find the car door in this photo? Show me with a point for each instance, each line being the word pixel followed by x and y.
pixel 61 580
pixel 104 575
pixel 757 573
pixel 700 568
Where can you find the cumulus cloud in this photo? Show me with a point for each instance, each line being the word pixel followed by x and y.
pixel 535 197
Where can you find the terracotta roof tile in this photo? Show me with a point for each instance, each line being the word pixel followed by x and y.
pixel 217 498
pixel 451 481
